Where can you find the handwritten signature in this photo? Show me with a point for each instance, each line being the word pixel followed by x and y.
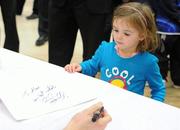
pixel 45 94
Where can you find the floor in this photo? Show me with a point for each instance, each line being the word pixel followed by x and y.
pixel 27 30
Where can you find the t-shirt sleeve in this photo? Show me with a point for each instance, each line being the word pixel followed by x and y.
pixel 91 67
pixel 155 80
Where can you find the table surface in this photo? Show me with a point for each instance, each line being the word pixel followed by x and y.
pixel 129 111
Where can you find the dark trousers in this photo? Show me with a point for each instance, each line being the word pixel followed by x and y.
pixel 171 62
pixel 20 5
pixel 43 17
pixel 64 23
pixel 8 8
pixel 108 26
pixel 35 7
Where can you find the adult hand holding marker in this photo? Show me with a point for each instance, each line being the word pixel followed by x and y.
pixel 98 114
pixel 92 118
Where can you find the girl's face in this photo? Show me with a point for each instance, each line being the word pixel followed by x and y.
pixel 125 36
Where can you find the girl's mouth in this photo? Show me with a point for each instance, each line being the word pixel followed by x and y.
pixel 119 43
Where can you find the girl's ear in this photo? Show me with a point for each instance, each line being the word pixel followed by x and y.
pixel 141 37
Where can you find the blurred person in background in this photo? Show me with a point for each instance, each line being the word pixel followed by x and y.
pixel 8 9
pixel 168 23
pixel 43 22
pixel 66 17
pixel 20 5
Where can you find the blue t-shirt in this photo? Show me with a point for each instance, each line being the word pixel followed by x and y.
pixel 128 73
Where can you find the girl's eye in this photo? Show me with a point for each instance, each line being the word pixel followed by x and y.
pixel 115 30
pixel 127 34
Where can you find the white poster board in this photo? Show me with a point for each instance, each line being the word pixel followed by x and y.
pixel 30 93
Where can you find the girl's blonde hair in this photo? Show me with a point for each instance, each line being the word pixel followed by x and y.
pixel 140 16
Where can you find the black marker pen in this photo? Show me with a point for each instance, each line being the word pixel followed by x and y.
pixel 97 114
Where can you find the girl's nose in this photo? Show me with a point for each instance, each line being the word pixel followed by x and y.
pixel 119 36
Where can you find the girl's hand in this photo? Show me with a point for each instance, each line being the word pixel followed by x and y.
pixel 73 68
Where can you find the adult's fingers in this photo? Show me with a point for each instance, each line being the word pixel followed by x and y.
pixel 94 108
pixel 105 119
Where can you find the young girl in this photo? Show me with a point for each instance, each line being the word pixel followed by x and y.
pixel 126 62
